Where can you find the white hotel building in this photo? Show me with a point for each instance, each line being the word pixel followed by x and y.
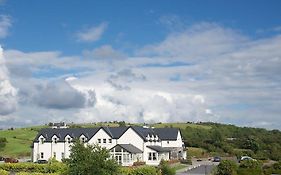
pixel 126 144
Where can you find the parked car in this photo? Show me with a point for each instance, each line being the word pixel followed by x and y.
pixel 2 158
pixel 11 160
pixel 216 159
pixel 41 161
pixel 246 158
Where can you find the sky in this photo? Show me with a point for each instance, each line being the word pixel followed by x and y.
pixel 140 61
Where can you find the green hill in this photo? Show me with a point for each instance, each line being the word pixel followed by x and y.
pixel 18 142
pixel 203 139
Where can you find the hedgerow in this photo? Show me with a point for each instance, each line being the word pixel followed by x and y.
pixel 143 170
pixel 34 168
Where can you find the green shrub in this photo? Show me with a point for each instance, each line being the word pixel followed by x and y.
pixel 226 167
pixel 144 170
pixel 252 167
pixel 3 172
pixel 34 168
pixel 166 169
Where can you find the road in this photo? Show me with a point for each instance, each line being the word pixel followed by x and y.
pixel 201 170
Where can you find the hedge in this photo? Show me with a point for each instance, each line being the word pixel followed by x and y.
pixel 34 168
pixel 144 170
pixel 3 172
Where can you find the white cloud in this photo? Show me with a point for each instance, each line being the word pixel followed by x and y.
pixel 92 34
pixel 221 75
pixel 5 24
pixel 8 94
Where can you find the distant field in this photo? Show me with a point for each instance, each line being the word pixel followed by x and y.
pixel 181 125
pixel 19 141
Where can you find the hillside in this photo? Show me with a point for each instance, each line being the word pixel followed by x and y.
pixel 202 139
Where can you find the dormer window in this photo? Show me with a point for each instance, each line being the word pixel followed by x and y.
pixel 68 140
pixel 83 139
pixel 55 140
pixel 41 140
pixel 148 137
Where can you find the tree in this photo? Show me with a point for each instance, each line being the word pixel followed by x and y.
pixel 3 142
pixel 90 160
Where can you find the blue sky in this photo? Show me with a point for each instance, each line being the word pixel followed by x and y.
pixel 51 24
pixel 140 61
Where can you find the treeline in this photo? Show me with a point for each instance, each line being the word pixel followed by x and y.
pixel 256 142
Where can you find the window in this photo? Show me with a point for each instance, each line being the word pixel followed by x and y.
pixel 55 140
pixel 152 156
pixel 41 140
pixel 83 139
pixel 42 155
pixel 149 156
pixel 99 140
pixel 62 155
pixel 68 140
pixel 55 154
pixel 104 140
pixel 168 142
pixel 110 140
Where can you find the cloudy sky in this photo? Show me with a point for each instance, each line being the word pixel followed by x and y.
pixel 140 61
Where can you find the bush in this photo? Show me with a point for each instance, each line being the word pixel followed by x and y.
pixel 3 172
pixel 144 170
pixel 250 167
pixel 226 167
pixel 166 169
pixel 91 159
pixel 34 168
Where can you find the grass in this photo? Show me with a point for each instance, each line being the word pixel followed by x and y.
pixel 181 125
pixel 179 166
pixel 196 152
pixel 18 142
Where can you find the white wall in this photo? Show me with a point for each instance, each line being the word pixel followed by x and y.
pixel 101 134
pixel 131 137
pixel 173 143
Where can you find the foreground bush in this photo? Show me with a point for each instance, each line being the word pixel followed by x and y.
pixel 144 170
pixel 34 168
pixel 226 167
pixel 3 172
pixel 166 169
pixel 90 159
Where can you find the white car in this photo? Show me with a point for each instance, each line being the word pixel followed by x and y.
pixel 247 158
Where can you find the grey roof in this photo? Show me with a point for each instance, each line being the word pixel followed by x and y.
pixel 159 148
pixel 48 133
pixel 167 133
pixel 114 132
pixel 129 147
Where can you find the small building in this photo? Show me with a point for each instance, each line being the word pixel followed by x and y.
pixel 126 144
pixel 58 125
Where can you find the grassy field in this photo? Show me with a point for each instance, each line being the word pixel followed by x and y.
pixel 181 125
pixel 19 141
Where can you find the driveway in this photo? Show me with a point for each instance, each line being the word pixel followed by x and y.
pixel 198 168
